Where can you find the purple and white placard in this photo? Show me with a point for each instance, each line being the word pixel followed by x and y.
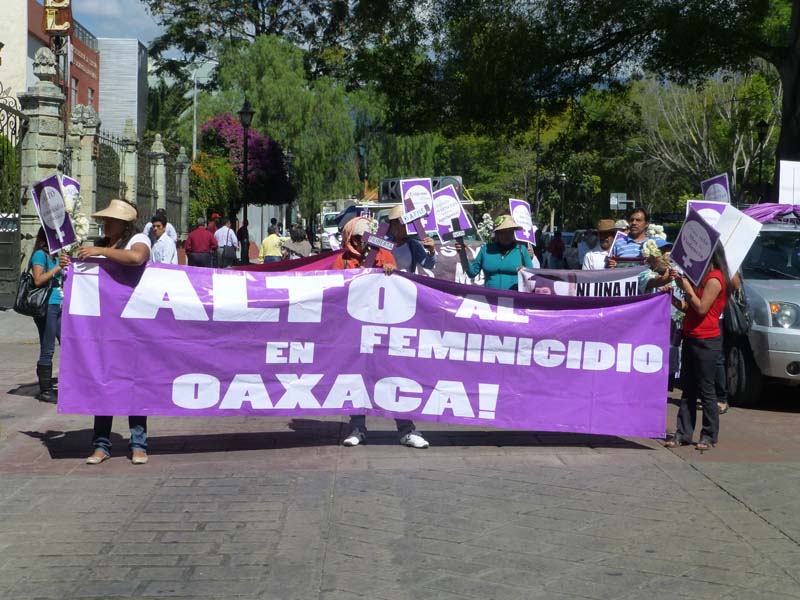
pixel 521 213
pixel 694 246
pixel 716 189
pixel 417 193
pixel 446 207
pixel 311 343
pixel 710 211
pixel 48 198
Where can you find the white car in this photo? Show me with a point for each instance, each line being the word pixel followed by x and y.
pixel 771 282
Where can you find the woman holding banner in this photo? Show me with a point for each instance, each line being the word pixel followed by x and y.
pixel 702 344
pixel 47 271
pixel 126 245
pixel 501 259
pixel 354 257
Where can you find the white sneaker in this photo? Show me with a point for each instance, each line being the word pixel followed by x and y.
pixel 414 440
pixel 353 440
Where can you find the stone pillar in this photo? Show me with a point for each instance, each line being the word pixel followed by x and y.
pixel 129 163
pixel 182 166
pixel 82 139
pixel 43 146
pixel 158 156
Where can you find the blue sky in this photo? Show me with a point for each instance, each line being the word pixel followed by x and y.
pixel 116 18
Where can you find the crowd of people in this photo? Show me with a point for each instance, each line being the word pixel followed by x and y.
pixel 500 259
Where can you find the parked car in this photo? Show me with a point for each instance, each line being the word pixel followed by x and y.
pixel 771 282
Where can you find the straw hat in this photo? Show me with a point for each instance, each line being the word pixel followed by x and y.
pixel 396 212
pixel 118 209
pixel 507 222
pixel 604 225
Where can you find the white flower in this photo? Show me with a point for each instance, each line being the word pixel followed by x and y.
pixel 656 231
pixel 650 248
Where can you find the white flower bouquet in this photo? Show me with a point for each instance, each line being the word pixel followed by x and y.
pixel 486 226
pixel 656 231
pixel 650 249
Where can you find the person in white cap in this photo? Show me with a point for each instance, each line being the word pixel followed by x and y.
pixel 124 244
pixel 409 252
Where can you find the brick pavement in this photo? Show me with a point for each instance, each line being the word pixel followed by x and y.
pixel 274 508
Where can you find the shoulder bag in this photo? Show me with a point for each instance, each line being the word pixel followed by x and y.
pixel 735 318
pixel 31 301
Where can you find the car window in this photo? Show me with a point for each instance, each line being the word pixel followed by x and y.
pixel 328 220
pixel 774 255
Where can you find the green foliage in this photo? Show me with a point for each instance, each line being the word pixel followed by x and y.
pixel 165 105
pixel 212 183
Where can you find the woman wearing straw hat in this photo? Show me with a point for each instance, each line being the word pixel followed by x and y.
pixel 501 259
pixel 124 244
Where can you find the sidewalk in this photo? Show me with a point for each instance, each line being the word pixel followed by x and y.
pixel 275 508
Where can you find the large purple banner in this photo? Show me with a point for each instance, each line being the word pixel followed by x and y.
pixel 174 340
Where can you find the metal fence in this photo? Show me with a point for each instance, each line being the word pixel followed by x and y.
pixel 145 188
pixel 109 169
pixel 173 194
pixel 13 126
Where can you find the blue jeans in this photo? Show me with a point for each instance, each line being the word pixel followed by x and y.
pixel 49 328
pixel 268 259
pixel 102 433
pixel 358 424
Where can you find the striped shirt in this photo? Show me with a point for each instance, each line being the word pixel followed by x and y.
pixel 627 248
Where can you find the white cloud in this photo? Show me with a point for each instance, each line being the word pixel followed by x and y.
pixel 116 18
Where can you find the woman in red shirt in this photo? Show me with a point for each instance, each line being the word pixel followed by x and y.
pixel 702 344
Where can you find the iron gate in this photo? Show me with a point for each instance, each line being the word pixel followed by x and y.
pixel 13 125
pixel 109 169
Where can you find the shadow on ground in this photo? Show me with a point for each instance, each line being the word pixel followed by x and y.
pixel 312 433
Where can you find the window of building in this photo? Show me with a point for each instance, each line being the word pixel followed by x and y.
pixel 74 93
pixel 90 92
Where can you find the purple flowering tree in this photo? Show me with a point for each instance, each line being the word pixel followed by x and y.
pixel 223 135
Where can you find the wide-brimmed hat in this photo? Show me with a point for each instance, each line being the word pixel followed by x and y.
pixel 604 225
pixel 396 212
pixel 117 209
pixel 507 222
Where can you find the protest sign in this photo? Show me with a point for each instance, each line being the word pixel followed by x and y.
pixel 694 246
pixel 417 193
pixel 359 342
pixel 570 282
pixel 48 198
pixel 446 208
pixel 737 232
pixel 716 189
pixel 710 211
pixel 521 213
pixel 789 183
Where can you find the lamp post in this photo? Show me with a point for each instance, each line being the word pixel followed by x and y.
pixel 245 118
pixel 563 193
pixel 761 128
pixel 289 159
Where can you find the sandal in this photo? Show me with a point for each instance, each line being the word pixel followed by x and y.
pixel 676 442
pixel 705 444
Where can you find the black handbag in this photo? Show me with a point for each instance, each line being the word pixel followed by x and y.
pixel 32 301
pixel 735 318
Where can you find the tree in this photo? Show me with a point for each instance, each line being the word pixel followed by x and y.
pixel 491 61
pixel 698 131
pixel 212 184
pixel 197 30
pixel 223 136
pixel 312 118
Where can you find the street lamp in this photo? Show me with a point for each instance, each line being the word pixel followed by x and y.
pixel 563 193
pixel 288 157
pixel 761 128
pixel 245 118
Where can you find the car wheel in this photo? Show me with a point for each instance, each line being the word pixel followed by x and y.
pixel 744 376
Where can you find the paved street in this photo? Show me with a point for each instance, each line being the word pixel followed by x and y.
pixel 270 508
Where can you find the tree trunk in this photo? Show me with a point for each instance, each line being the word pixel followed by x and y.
pixel 789 140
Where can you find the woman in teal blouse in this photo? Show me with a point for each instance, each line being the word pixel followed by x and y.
pixel 501 259
pixel 47 271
